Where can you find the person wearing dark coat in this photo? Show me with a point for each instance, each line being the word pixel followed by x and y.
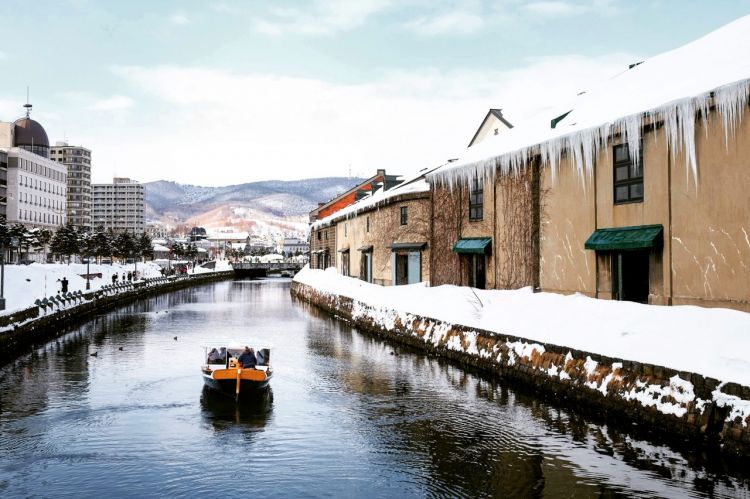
pixel 247 358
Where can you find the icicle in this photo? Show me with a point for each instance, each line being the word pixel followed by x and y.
pixel 730 101
pixel 583 147
pixel 686 116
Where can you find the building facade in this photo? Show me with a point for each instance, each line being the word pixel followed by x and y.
pixel 78 161
pixel 387 244
pixel 36 187
pixel 295 246
pixel 3 184
pixel 118 206
pixel 323 237
pixel 650 207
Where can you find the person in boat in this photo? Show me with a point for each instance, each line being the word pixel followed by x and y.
pixel 215 357
pixel 247 358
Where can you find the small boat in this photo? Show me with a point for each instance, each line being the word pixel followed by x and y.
pixel 223 372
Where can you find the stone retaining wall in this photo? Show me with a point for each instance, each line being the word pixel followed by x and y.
pixel 677 402
pixel 34 325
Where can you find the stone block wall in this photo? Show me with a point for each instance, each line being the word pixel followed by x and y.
pixel 677 402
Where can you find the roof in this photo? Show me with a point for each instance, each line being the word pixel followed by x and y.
pixel 497 113
pixel 353 194
pixel 30 133
pixel 413 184
pixel 671 87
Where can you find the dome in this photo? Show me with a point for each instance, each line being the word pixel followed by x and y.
pixel 30 132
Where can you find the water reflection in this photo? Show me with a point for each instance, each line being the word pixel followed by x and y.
pixel 348 416
pixel 222 412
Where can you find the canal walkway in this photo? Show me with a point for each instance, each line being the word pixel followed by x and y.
pixel 49 317
pixel 662 374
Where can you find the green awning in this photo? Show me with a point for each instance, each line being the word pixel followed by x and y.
pixel 478 245
pixel 626 238
pixel 408 246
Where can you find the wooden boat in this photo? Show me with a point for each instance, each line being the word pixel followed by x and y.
pixel 223 373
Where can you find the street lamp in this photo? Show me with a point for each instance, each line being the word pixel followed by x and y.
pixel 2 275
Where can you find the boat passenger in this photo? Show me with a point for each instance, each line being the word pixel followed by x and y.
pixel 247 358
pixel 214 357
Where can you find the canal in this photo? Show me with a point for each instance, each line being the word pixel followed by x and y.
pixel 348 415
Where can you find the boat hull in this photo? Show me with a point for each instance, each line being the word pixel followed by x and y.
pixel 225 381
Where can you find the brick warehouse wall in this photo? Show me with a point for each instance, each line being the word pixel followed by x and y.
pixel 681 403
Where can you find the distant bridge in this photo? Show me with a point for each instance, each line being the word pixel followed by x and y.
pixel 252 269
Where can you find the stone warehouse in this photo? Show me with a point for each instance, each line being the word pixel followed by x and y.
pixel 630 192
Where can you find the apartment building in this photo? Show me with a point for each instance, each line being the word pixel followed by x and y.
pixel 118 206
pixel 78 161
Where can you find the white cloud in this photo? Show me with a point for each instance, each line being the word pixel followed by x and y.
pixel 555 8
pixel 2 55
pixel 114 103
pixel 179 19
pixel 322 17
pixel 457 22
pixel 215 127
pixel 565 8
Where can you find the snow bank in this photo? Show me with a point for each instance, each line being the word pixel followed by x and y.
pixel 709 341
pixel 26 283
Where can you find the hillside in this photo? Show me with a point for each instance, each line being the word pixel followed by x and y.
pixel 266 206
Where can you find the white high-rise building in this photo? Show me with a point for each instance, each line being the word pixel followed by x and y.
pixel 36 185
pixel 78 161
pixel 118 206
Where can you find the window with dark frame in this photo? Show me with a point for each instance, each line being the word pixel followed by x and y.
pixel 628 175
pixel 476 199
pixel 404 215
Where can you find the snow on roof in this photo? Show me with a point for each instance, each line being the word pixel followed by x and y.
pixel 224 236
pixel 159 247
pixel 671 87
pixel 415 183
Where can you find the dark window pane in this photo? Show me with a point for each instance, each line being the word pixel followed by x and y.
pixel 621 193
pixel 621 173
pixel 621 153
pixel 636 191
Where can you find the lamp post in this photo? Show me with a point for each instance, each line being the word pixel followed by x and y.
pixel 2 275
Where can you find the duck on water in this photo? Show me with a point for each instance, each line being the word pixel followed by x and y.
pixel 237 370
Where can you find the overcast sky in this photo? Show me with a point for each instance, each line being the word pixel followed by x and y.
pixel 225 92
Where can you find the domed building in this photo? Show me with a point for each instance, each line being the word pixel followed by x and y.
pixel 36 188
pixel 31 136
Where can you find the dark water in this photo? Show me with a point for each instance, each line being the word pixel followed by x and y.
pixel 345 417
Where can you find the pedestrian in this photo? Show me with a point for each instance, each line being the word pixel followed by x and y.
pixel 64 284
pixel 114 278
pixel 130 276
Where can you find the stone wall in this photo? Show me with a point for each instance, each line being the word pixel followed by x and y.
pixel 682 403
pixel 33 325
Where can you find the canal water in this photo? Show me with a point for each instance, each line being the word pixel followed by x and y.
pixel 348 415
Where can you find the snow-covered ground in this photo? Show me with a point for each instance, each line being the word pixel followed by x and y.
pixel 713 342
pixel 26 283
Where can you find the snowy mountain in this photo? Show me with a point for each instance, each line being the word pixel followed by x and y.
pixel 263 207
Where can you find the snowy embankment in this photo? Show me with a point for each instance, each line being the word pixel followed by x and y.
pixel 709 341
pixel 26 283
pixel 685 362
